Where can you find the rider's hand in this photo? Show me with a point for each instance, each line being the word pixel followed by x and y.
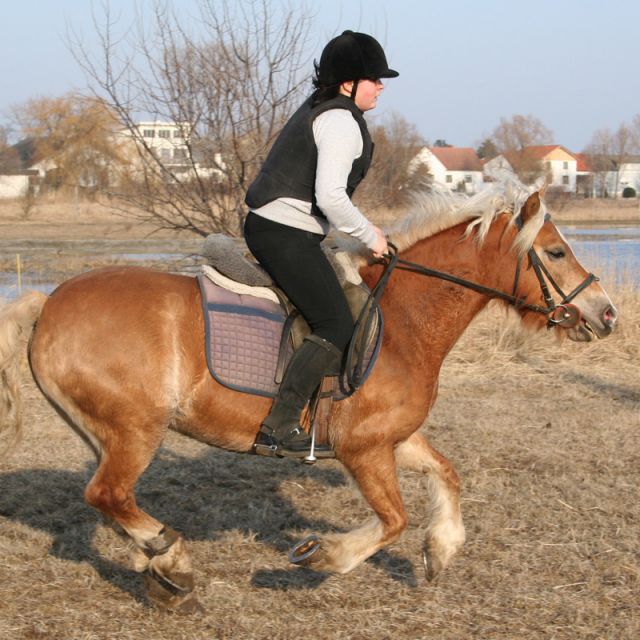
pixel 380 247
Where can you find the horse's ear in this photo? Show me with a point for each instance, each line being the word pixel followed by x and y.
pixel 531 207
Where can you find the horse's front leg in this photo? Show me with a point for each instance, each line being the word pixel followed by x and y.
pixel 445 533
pixel 374 470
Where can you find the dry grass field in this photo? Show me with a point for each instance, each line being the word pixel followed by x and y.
pixel 71 220
pixel 546 439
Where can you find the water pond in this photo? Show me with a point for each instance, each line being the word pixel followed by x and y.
pixel 612 252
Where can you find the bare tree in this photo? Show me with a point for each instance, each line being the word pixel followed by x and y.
pixel 635 132
pixel 390 178
pixel 74 135
pixel 609 153
pixel 10 161
pixel 599 152
pixel 512 137
pixel 623 147
pixel 230 90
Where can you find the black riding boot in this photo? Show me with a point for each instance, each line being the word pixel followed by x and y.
pixel 281 429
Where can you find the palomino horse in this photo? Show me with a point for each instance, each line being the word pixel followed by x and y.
pixel 119 352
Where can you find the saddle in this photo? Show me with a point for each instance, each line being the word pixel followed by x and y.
pixel 252 329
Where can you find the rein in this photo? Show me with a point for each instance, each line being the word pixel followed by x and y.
pixel 563 314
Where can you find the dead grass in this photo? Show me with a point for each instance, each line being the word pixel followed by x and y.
pixel 544 436
pixel 598 210
pixel 56 218
pixel 64 219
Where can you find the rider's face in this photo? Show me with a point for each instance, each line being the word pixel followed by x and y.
pixel 366 94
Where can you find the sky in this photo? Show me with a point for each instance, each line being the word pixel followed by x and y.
pixel 463 64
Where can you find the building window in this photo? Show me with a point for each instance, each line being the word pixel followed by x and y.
pixel 565 179
pixel 180 153
pixel 177 133
pixel 467 179
pixel 165 154
pixel 565 165
pixel 164 133
pixel 149 133
pixel 449 178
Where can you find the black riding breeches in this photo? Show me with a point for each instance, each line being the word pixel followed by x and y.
pixel 297 264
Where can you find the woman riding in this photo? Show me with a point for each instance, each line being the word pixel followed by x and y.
pixel 304 187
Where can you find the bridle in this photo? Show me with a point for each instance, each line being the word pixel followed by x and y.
pixel 563 314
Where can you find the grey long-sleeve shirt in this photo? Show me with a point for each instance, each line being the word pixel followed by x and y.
pixel 339 143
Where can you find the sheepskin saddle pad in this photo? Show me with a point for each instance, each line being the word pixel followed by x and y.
pixel 252 330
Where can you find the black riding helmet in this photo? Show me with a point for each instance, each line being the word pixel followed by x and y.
pixel 353 56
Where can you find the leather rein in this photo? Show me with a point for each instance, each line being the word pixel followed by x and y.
pixel 563 314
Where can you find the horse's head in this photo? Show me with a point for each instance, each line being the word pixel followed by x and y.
pixel 551 276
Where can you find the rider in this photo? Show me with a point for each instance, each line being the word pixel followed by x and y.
pixel 304 186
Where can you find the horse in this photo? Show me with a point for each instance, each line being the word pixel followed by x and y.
pixel 120 353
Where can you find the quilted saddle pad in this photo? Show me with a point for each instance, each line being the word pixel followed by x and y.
pixel 244 341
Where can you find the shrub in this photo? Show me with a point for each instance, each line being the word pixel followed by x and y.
pixel 628 192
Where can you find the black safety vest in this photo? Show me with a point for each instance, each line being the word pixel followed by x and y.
pixel 290 168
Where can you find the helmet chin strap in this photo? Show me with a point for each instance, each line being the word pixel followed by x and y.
pixel 354 88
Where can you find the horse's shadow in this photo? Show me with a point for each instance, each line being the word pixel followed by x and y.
pixel 202 497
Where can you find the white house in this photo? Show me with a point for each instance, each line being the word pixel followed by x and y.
pixel 14 186
pixel 169 141
pixel 458 168
pixel 601 177
pixel 559 164
pixel 626 175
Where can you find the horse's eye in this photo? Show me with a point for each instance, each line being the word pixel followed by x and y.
pixel 555 254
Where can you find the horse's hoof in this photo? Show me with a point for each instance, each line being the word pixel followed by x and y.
pixel 301 554
pixel 188 607
pixel 432 567
pixel 168 596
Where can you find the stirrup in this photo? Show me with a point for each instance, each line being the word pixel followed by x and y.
pixel 291 446
pixel 266 443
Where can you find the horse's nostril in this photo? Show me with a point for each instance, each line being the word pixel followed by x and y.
pixel 610 316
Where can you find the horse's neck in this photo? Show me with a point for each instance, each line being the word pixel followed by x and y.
pixel 426 315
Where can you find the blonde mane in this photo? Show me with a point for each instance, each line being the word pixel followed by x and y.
pixel 437 209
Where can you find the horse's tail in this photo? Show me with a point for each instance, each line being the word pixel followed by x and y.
pixel 17 320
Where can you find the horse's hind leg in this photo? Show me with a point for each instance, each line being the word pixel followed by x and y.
pixel 375 473
pixel 159 550
pixel 445 534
